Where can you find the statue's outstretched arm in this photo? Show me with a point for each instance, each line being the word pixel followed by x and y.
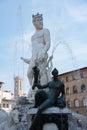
pixel 43 86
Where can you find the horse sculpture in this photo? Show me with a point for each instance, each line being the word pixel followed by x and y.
pixel 11 122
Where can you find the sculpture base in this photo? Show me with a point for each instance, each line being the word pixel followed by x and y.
pixel 54 115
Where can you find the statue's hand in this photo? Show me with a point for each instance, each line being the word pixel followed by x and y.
pixel 33 87
pixel 38 86
pixel 41 56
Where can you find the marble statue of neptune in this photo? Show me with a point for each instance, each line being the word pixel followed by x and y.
pixel 40 46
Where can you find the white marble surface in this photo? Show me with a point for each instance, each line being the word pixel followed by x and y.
pixel 50 126
pixel 50 110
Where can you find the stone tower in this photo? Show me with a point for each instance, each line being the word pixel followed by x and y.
pixel 17 86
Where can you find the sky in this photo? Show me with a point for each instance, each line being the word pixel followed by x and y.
pixel 67 23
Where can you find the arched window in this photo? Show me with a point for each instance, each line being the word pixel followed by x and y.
pixel 83 88
pixel 68 103
pixel 16 83
pixel 85 101
pixel 75 89
pixel 67 90
pixel 76 102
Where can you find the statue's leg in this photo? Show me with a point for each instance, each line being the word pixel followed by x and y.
pixel 40 97
pixel 46 104
pixel 43 106
pixel 43 71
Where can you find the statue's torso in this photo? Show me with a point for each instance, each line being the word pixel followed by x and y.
pixel 55 88
pixel 38 36
pixel 38 43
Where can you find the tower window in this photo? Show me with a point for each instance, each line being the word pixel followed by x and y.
pixel 16 83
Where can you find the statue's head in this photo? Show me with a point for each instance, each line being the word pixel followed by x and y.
pixel 37 21
pixel 55 72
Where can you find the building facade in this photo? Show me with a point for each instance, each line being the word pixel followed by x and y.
pixel 6 100
pixel 76 89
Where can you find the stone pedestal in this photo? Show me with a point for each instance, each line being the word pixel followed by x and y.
pixel 60 117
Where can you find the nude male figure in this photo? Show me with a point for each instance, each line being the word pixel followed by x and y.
pixel 40 46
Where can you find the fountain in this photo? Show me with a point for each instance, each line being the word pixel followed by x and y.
pixel 49 110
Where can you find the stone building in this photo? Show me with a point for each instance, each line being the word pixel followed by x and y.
pixel 76 89
pixel 6 99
